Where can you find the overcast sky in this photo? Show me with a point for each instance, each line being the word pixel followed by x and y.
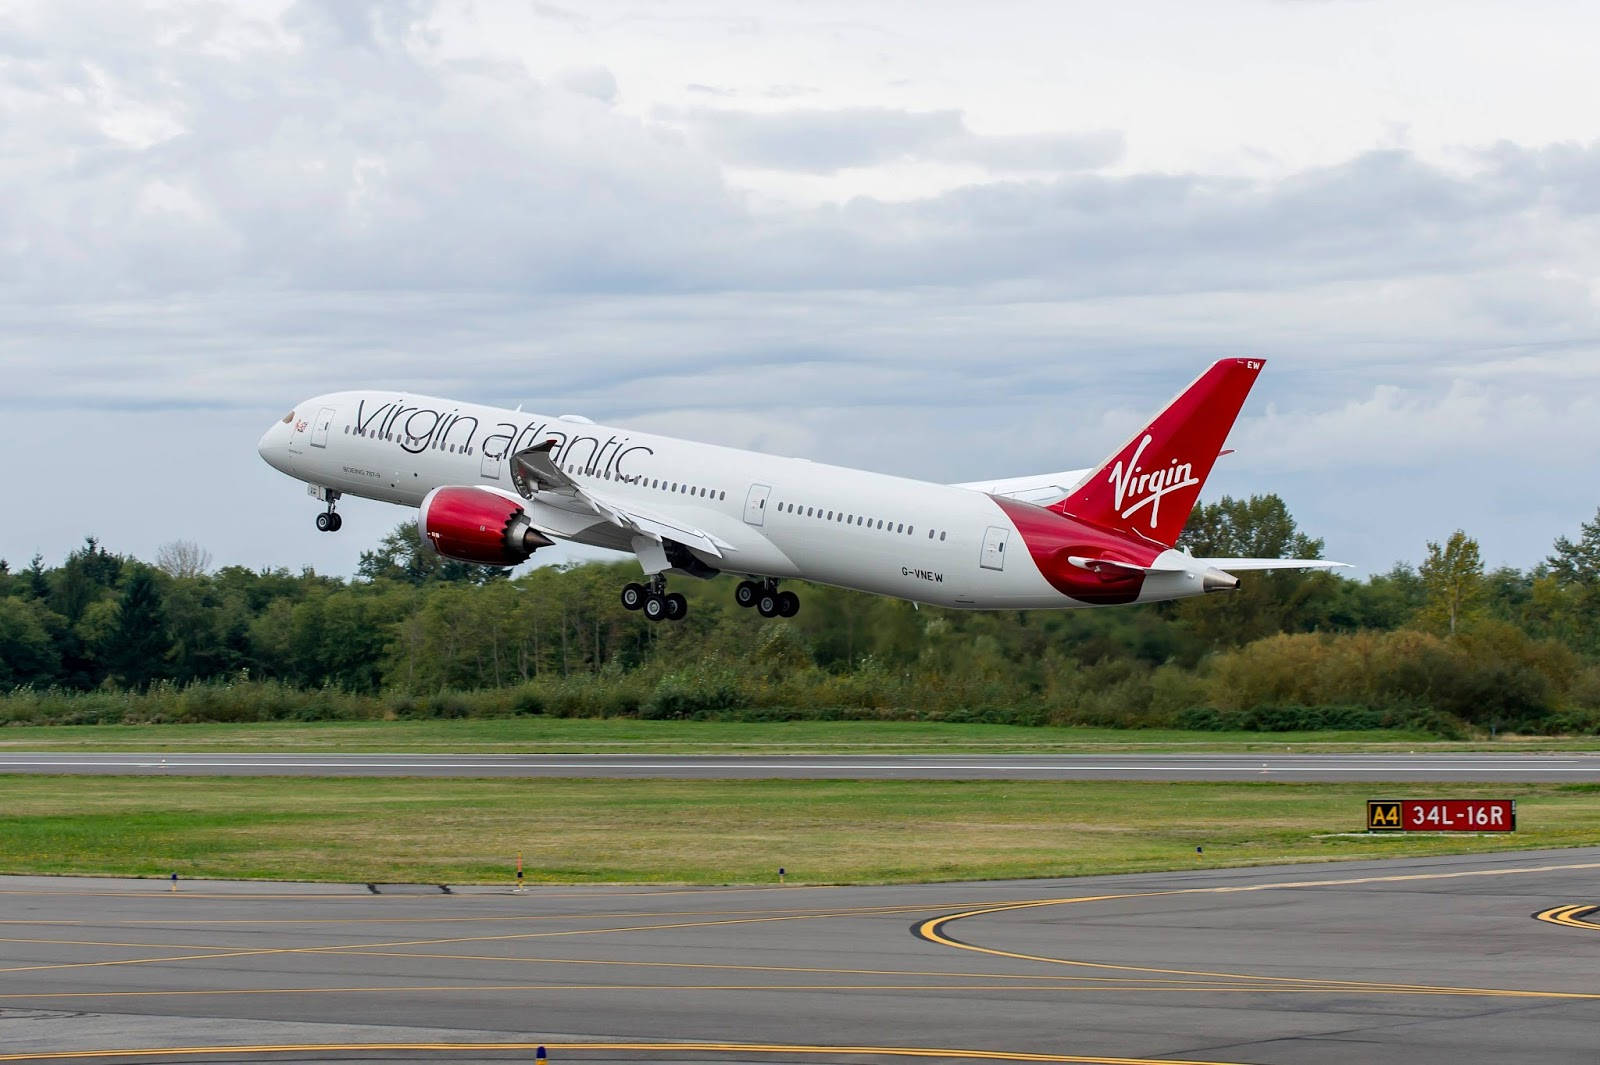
pixel 951 241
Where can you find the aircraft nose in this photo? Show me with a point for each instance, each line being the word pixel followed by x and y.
pixel 273 446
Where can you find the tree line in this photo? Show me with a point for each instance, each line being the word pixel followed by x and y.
pixel 1442 645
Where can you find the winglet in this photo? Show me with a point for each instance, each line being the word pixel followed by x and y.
pixel 1148 486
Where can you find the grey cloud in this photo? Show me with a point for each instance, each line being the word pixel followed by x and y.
pixel 1038 151
pixel 357 25
pixel 595 82
pixel 381 167
pixel 824 141
pixel 560 14
pixel 819 141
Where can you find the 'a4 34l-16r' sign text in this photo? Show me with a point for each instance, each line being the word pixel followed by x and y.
pixel 1441 815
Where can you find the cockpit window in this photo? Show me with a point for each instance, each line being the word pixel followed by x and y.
pixel 288 418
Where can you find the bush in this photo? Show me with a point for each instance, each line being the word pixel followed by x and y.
pixel 698 691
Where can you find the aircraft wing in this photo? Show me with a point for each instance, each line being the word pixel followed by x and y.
pixel 1037 488
pixel 533 471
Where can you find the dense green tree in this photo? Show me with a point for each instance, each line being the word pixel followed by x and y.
pixel 28 652
pixel 1258 527
pixel 1517 656
pixel 1452 582
pixel 136 653
pixel 1578 562
pixel 210 626
pixel 1573 600
pixel 34 580
pixel 401 556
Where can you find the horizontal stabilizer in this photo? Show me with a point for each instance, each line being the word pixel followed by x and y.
pixel 1094 565
pixel 1038 488
pixel 1239 565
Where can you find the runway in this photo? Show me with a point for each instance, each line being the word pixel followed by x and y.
pixel 1531 767
pixel 1436 960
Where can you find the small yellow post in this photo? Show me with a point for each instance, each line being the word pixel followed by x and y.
pixel 174 882
pixel 519 873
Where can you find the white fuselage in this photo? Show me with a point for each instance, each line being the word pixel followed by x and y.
pixel 777 517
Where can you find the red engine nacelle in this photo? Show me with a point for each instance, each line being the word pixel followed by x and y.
pixel 476 525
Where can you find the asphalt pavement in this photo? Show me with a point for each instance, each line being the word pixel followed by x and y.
pixel 1395 767
pixel 1425 961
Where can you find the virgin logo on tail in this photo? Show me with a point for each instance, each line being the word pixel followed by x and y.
pixel 1140 489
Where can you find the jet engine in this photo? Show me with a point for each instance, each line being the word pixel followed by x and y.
pixel 478 525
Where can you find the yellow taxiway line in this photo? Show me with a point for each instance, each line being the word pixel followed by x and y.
pixel 1570 916
pixel 933 930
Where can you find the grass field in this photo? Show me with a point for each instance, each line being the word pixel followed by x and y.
pixel 616 735
pixel 713 831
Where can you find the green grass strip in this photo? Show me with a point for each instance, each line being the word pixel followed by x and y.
pixel 712 832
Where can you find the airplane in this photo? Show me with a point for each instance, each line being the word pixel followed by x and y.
pixel 493 486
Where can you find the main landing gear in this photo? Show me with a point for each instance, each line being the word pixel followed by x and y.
pixel 655 601
pixel 765 597
pixel 329 520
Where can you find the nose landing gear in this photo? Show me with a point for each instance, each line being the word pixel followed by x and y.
pixel 328 520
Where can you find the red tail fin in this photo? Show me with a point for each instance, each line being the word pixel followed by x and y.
pixel 1148 486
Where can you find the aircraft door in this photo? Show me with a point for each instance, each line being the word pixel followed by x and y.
pixel 755 504
pixel 994 548
pixel 320 427
pixel 490 467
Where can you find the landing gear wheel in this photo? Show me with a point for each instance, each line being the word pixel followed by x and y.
pixel 677 606
pixel 788 604
pixel 329 520
pixel 655 607
pixel 767 605
pixel 745 594
pixel 633 596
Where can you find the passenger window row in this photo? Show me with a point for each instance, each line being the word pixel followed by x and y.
pixel 396 438
pixel 675 487
pixel 898 528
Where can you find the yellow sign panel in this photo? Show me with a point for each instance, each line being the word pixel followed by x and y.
pixel 1383 815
